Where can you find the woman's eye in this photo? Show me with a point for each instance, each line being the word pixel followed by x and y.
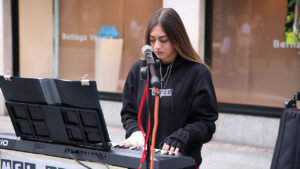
pixel 152 41
pixel 164 41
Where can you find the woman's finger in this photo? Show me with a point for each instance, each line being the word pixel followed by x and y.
pixel 166 147
pixel 171 150
pixel 176 150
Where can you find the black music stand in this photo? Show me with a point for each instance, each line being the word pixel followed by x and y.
pixel 56 111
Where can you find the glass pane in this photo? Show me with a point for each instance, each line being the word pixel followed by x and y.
pixel 105 60
pixel 252 64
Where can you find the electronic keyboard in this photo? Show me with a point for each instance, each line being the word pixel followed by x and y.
pixel 118 155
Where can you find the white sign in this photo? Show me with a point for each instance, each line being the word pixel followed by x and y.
pixel 19 160
pixel 283 44
pixel 76 37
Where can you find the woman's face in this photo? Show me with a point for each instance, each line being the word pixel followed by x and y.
pixel 161 45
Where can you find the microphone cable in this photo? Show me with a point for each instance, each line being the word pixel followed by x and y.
pixel 80 163
pixel 145 94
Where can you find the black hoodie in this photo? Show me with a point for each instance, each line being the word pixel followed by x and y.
pixel 187 109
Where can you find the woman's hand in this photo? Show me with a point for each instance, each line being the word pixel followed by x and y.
pixel 136 139
pixel 176 142
pixel 172 149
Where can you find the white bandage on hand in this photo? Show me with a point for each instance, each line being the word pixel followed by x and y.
pixel 136 139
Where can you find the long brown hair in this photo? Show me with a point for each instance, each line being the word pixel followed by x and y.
pixel 171 23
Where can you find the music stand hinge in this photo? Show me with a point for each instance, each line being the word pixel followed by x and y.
pixel 85 82
pixel 7 77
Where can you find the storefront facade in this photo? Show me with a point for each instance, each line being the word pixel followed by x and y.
pixel 243 42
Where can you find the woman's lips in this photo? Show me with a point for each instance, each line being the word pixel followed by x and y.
pixel 159 53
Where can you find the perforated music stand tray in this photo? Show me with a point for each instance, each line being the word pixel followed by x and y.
pixel 56 111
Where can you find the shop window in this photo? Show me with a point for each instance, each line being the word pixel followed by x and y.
pixel 252 62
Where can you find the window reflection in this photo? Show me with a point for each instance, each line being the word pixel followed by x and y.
pixel 252 64
pixel 80 21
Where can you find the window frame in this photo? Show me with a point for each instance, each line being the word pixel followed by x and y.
pixel 228 108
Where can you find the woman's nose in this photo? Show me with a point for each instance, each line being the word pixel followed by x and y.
pixel 157 45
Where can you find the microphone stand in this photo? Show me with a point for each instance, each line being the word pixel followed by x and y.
pixel 150 110
pixel 146 74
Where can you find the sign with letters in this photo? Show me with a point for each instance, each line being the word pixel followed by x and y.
pixel 20 160
pixel 164 92
pixel 3 142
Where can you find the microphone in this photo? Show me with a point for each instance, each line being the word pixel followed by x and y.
pixel 147 52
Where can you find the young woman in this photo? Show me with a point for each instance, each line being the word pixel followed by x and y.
pixel 187 106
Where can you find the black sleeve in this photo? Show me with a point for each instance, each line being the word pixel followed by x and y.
pixel 203 112
pixel 129 110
